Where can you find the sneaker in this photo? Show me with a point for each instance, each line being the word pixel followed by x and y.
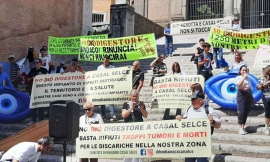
pixel 171 55
pixel 30 123
pixel 113 118
pixel 245 131
pixel 267 131
pixel 242 131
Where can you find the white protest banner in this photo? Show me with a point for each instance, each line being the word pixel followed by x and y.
pixel 262 58
pixel 110 86
pixel 159 139
pixel 199 26
pixel 173 91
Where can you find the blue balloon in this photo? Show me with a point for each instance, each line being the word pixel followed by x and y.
pixel 222 89
pixel 14 105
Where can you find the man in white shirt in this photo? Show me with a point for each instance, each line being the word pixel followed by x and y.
pixel 106 65
pixel 28 151
pixel 200 110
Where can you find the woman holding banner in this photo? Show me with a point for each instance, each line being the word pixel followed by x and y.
pixel 134 111
pixel 90 117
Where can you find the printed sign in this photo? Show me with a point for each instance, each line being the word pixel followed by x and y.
pixel 159 139
pixel 262 58
pixel 100 87
pixel 173 91
pixel 199 26
pixel 69 45
pixel 119 49
pixel 237 40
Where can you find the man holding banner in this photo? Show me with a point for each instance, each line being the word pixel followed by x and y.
pixel 168 40
pixel 200 110
pixel 106 65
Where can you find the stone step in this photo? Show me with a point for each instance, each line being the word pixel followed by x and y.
pixel 258 138
pixel 249 129
pixel 214 158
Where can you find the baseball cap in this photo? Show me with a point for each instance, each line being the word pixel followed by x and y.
pixel 11 56
pixel 197 94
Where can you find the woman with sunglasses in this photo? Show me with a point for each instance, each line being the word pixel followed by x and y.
pixel 159 68
pixel 244 98
pixel 176 70
pixel 134 111
pixel 264 86
pixel 90 118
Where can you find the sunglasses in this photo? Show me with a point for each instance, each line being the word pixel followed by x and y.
pixel 90 109
pixel 36 62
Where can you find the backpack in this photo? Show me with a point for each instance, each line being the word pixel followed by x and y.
pixel 206 107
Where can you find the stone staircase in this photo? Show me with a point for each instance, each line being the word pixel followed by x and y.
pixel 227 145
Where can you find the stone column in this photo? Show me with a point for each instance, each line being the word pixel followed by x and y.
pixel 87 17
pixel 122 20
pixel 229 9
pixel 176 10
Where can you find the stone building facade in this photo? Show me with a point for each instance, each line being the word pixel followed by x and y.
pixel 24 23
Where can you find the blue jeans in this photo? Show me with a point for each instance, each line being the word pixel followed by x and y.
pixel 194 159
pixel 168 46
pixel 103 109
pixel 217 51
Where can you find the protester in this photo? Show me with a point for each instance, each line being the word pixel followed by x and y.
pixel 176 70
pixel 4 78
pixel 218 52
pixel 197 87
pixel 90 117
pixel 264 86
pixel 205 60
pixel 236 27
pixel 44 58
pixel 32 56
pixel 14 71
pixel 138 76
pixel 28 151
pixel 53 68
pixel 106 65
pixel 159 68
pixel 79 68
pixel 198 109
pixel 244 98
pixel 168 40
pixel 199 50
pixel 72 67
pixel 238 62
pixel 134 111
pixel 38 70
pixel 47 54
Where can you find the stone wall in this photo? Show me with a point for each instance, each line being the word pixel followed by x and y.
pixel 24 23
pixel 143 25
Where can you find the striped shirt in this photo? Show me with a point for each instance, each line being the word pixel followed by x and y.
pixel 14 67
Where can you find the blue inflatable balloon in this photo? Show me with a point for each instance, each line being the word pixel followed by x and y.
pixel 14 105
pixel 222 89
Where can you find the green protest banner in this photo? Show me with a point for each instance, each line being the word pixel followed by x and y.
pixel 69 45
pixel 237 40
pixel 119 49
